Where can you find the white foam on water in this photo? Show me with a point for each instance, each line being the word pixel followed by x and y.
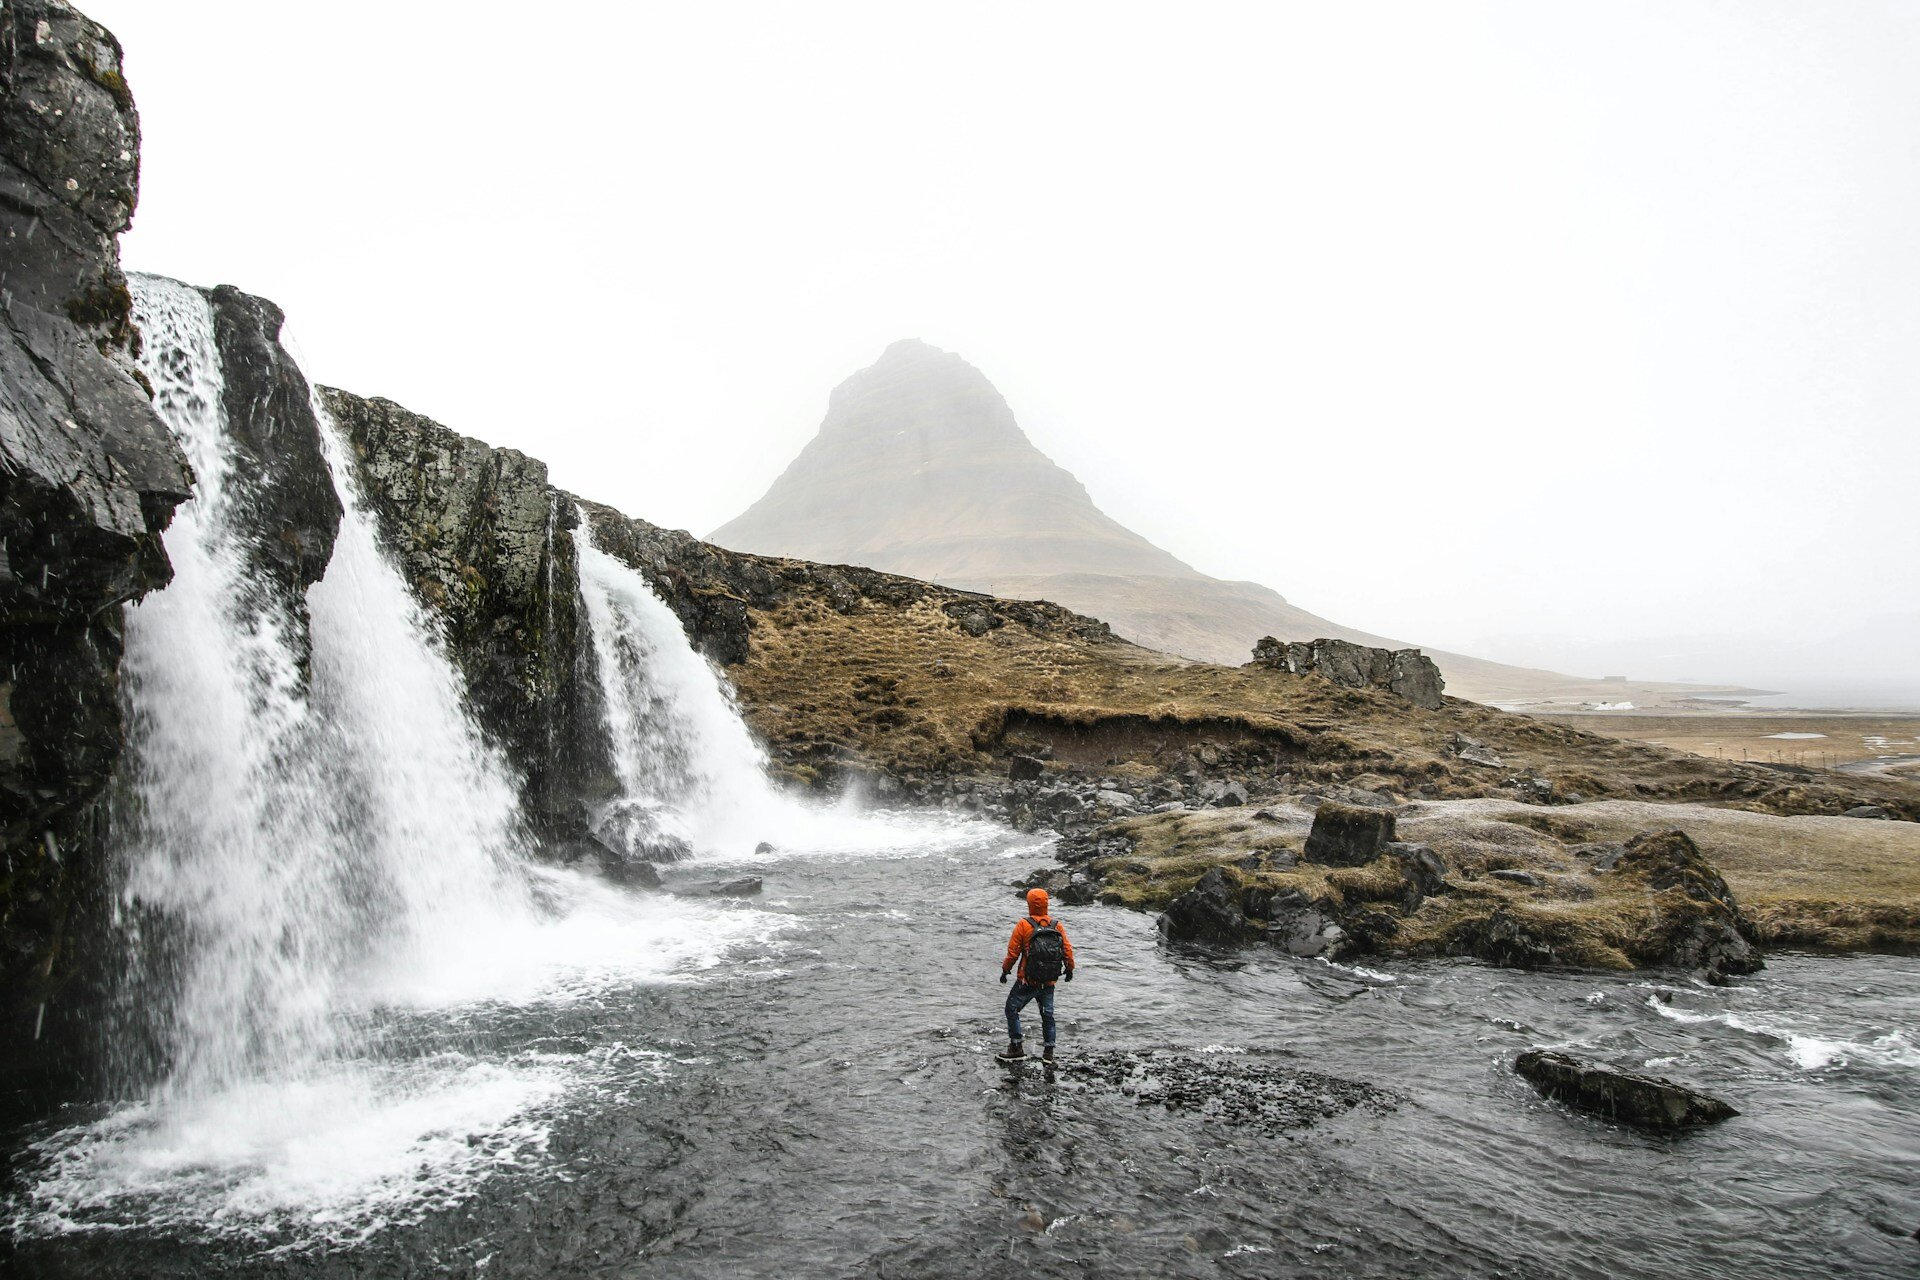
pixel 1808 1052
pixel 1796 737
pixel 593 936
pixel 326 1158
pixel 1359 971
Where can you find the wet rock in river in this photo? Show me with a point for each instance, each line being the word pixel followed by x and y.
pixel 1648 1102
pixel 1208 912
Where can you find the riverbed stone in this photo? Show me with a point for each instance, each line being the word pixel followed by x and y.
pixel 1647 1102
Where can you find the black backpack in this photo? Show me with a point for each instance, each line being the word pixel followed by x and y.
pixel 1046 954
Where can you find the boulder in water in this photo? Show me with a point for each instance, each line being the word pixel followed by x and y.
pixel 1647 1102
pixel 636 831
pixel 1208 912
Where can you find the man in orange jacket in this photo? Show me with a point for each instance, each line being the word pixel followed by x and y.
pixel 1039 945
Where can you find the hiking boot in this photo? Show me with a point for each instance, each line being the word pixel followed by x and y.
pixel 1015 1049
pixel 1046 1054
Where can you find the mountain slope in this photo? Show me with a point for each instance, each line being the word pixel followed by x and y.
pixel 920 469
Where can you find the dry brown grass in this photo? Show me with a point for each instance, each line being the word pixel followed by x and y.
pixel 906 687
pixel 1749 736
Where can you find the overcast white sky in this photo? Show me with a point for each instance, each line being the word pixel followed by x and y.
pixel 1585 335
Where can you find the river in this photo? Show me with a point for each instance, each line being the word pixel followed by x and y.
pixel 804 1084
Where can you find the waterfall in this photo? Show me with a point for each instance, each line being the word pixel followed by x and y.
pixel 691 777
pixel 332 926
pixel 284 841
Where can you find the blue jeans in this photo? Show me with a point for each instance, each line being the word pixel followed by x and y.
pixel 1017 1000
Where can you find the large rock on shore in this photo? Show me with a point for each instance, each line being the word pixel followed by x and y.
pixel 1406 672
pixel 1693 922
pixel 89 476
pixel 1208 912
pixel 1647 1102
pixel 1346 835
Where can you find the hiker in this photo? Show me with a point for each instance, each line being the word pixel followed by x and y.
pixel 1039 944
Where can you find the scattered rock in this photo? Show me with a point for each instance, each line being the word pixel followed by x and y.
pixel 1473 751
pixel 763 848
pixel 1603 856
pixel 1648 1102
pixel 635 875
pixel 1513 875
pixel 1505 939
pixel 1869 811
pixel 1347 835
pixel 1301 928
pixel 1052 879
pixel 1425 870
pixel 636 832
pixel 1025 768
pixel 1224 795
pixel 1238 1089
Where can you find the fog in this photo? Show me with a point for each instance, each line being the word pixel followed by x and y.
pixel 1573 335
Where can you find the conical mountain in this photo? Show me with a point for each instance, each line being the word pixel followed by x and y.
pixel 920 469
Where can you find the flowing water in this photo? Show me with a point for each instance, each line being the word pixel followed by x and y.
pixel 809 1089
pixel 380 1037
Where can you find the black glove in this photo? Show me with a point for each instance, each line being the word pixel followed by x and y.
pixel 1069 975
pixel 1003 975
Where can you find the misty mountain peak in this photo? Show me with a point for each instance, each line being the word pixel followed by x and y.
pixel 920 467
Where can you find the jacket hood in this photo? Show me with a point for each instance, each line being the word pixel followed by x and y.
pixel 1036 902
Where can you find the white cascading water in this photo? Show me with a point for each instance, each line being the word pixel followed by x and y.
pixel 323 879
pixel 688 769
pixel 292 836
pixel 310 869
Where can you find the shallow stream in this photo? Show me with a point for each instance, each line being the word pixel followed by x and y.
pixel 804 1084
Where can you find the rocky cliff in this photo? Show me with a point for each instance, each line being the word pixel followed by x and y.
pixel 88 478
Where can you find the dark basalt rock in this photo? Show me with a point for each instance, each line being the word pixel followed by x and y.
pixel 1647 1102
pixel 1208 912
pixel 280 468
pixel 89 476
pixel 1304 928
pixel 1406 672
pixel 1025 768
pixel 488 546
pixel 1696 923
pixel 739 887
pixel 1348 835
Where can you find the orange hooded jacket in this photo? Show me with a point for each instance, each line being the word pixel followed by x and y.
pixel 1017 944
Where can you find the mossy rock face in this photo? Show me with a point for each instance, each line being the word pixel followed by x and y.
pixel 1349 835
